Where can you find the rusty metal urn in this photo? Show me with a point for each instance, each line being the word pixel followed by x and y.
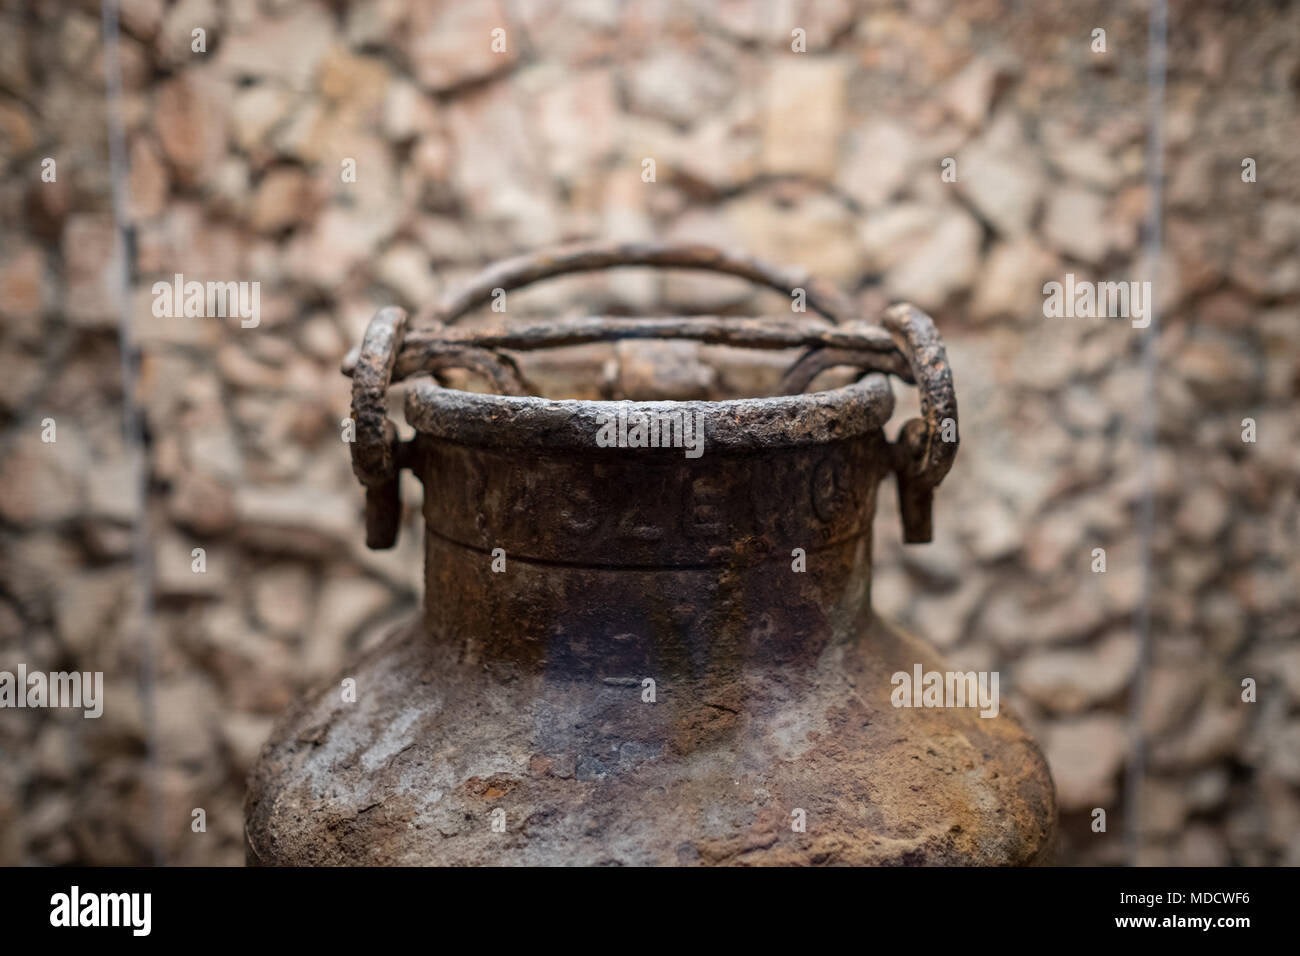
pixel 622 657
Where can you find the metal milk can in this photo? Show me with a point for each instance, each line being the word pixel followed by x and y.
pixel 647 634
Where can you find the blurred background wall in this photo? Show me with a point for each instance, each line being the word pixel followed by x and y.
pixel 830 159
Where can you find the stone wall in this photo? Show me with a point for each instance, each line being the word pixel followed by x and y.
pixel 832 158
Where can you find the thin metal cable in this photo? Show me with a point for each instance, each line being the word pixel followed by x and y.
pixel 1157 25
pixel 133 420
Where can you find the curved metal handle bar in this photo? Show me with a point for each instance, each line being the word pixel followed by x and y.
pixel 588 257
pixel 374 442
pixel 927 445
pixel 869 347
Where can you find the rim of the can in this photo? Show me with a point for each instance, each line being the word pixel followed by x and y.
pixel 535 424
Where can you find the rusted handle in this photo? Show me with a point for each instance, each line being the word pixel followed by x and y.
pixel 532 267
pixel 927 445
pixel 375 443
pixel 922 455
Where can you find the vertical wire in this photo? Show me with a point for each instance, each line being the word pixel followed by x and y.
pixel 132 421
pixel 1157 25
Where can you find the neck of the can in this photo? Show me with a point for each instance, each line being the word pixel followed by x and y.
pixel 634 561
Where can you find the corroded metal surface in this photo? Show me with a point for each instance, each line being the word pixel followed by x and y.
pixel 632 656
pixel 747 426
pixel 588 774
